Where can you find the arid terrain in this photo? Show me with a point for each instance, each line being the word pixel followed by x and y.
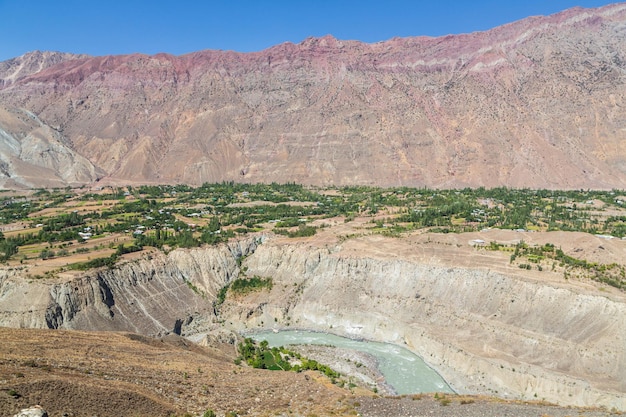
pixel 80 374
pixel 488 327
pixel 457 196
pixel 115 374
pixel 536 103
pixel 517 314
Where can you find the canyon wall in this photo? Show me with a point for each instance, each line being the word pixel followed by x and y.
pixel 484 331
pixel 154 295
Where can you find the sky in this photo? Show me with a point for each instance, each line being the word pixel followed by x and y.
pixel 107 27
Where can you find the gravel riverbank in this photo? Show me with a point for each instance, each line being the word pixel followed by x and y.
pixel 358 367
pixel 362 369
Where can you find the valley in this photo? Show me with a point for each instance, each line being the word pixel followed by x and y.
pixel 533 313
pixel 461 197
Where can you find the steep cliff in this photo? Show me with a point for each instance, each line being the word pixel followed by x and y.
pixel 150 296
pixel 486 326
pixel 484 331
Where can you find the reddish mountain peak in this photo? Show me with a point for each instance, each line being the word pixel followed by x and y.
pixel 482 108
pixel 326 41
pixel 21 67
pixel 398 52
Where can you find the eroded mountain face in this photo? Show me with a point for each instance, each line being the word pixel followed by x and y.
pixel 485 326
pixel 33 154
pixel 30 63
pixel 536 103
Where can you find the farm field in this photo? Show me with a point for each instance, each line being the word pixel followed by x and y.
pixel 59 233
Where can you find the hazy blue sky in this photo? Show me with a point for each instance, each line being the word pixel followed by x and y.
pixel 179 26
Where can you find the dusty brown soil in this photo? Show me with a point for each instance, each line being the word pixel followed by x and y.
pixel 119 374
pixel 116 374
pixel 463 406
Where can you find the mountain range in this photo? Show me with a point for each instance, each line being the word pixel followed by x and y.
pixel 537 103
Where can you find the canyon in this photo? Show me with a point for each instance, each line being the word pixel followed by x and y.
pixel 487 327
pixel 536 103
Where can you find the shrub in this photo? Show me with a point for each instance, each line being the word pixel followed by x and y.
pixel 46 254
pixel 303 231
pixel 244 286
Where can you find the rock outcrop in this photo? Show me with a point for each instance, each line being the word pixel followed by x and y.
pixel 33 154
pixel 35 411
pixel 536 103
pixel 149 296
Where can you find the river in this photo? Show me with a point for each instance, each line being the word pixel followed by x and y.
pixel 403 370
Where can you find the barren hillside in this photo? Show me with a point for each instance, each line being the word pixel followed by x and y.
pixel 82 374
pixel 114 374
pixel 535 103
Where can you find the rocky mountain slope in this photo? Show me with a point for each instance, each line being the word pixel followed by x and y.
pixel 485 325
pixel 17 68
pixel 535 103
pixel 35 154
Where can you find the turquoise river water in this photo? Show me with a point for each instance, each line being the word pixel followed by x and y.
pixel 403 370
